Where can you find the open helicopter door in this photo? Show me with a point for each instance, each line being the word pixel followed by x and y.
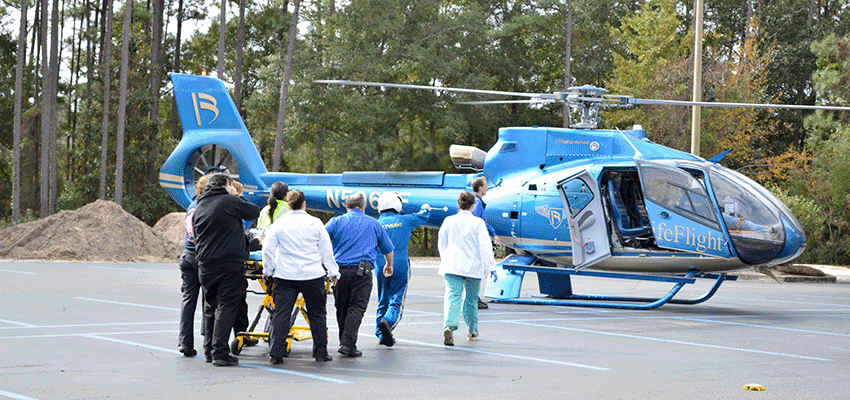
pixel 588 229
pixel 681 212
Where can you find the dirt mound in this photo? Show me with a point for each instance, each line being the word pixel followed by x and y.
pixel 796 269
pixel 172 227
pixel 99 231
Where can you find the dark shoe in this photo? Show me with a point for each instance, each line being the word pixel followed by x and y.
pixel 228 361
pixel 387 338
pixel 208 356
pixel 275 360
pixel 188 352
pixel 448 340
pixel 325 358
pixel 348 351
pixel 482 305
pixel 249 342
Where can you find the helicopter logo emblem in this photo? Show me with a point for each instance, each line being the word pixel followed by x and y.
pixel 209 104
pixel 554 215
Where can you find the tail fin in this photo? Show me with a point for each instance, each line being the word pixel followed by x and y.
pixel 214 135
pixel 204 104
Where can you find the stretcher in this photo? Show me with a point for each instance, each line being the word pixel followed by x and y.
pixel 298 333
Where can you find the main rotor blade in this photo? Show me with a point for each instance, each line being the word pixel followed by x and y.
pixel 530 101
pixel 447 89
pixel 719 104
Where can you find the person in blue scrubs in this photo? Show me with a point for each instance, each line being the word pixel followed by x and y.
pixel 392 290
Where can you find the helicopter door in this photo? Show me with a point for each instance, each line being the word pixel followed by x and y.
pixel 588 229
pixel 680 211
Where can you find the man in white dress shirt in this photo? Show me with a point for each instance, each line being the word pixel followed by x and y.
pixel 296 253
pixel 466 257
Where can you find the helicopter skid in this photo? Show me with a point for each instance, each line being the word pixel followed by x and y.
pixel 556 283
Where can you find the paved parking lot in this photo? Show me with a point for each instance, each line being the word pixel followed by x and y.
pixel 98 330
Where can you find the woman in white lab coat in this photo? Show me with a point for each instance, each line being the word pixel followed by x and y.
pixel 466 257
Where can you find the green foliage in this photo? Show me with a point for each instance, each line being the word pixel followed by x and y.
pixel 149 204
pixel 26 216
pixel 812 217
pixel 652 62
pixel 827 178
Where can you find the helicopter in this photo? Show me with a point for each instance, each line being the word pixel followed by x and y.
pixel 578 201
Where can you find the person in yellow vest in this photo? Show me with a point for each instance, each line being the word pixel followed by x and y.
pixel 276 206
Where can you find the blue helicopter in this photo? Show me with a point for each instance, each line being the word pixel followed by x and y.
pixel 566 201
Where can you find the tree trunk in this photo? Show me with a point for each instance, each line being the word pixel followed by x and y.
pixel 156 38
pixel 221 37
pixel 54 114
pixel 89 54
pixel 240 44
pixel 320 150
pixel 175 120
pixel 107 74
pixel 122 103
pixel 284 89
pixel 568 50
pixel 35 55
pixel 73 105
pixel 44 166
pixel 16 139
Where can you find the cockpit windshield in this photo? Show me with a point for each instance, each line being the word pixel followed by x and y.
pixel 752 220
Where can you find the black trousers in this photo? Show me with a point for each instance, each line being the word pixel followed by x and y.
pixel 241 322
pixel 315 299
pixel 225 286
pixel 351 296
pixel 190 288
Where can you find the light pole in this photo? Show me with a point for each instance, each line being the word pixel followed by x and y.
pixel 697 95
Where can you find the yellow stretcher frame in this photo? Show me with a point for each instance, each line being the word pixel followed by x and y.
pixel 254 271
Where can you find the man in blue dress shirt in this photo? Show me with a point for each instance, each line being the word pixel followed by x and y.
pixel 357 239
pixel 479 186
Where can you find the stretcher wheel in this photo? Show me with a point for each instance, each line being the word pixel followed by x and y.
pixel 236 346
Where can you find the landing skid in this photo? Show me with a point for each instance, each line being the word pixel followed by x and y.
pixel 555 282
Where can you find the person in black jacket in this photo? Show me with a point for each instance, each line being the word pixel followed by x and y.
pixel 221 248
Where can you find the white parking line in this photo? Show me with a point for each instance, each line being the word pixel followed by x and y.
pixel 149 271
pixel 711 346
pixel 260 367
pixel 15 395
pixel 491 353
pixel 128 304
pixel 773 300
pixel 26 326
pixel 768 327
pixel 18 272
pixel 62 335
pixel 20 324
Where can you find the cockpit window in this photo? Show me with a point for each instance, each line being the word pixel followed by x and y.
pixel 678 191
pixel 755 228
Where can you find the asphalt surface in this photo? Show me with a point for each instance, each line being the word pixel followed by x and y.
pixel 109 330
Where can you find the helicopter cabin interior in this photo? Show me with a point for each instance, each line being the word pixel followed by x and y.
pixel 680 190
pixel 622 196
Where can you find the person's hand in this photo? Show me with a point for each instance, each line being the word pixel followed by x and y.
pixel 494 276
pixel 388 271
pixel 496 240
pixel 426 207
pixel 334 280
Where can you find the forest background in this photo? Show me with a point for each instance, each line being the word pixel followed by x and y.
pixel 86 109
